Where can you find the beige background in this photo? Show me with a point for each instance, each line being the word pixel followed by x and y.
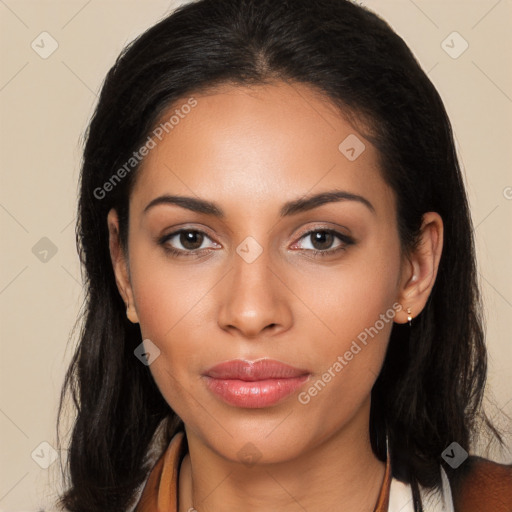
pixel 45 106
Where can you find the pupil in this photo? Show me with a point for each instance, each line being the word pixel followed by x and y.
pixel 319 235
pixel 188 239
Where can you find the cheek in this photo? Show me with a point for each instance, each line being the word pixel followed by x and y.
pixel 349 362
pixel 356 307
pixel 170 303
pixel 351 296
pixel 167 294
pixel 169 306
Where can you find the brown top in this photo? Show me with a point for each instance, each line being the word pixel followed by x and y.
pixel 485 486
pixel 160 493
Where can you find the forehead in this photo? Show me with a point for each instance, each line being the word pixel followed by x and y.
pixel 250 145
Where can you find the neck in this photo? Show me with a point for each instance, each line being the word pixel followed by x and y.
pixel 338 473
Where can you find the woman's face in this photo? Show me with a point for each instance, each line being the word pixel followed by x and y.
pixel 250 283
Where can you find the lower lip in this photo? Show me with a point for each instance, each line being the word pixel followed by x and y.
pixel 254 394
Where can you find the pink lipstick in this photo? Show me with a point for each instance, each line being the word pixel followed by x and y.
pixel 255 384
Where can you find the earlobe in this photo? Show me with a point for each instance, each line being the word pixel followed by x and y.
pixel 131 314
pixel 420 268
pixel 120 266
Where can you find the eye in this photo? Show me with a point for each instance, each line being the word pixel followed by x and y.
pixel 323 239
pixel 191 241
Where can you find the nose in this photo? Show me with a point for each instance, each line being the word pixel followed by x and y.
pixel 254 302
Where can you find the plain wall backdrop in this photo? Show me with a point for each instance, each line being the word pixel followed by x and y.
pixel 55 55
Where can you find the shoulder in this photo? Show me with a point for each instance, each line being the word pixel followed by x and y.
pixel 482 485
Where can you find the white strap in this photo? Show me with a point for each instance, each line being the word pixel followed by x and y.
pixel 400 497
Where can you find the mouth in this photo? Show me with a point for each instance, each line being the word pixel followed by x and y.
pixel 252 385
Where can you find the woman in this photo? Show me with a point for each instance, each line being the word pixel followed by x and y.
pixel 282 309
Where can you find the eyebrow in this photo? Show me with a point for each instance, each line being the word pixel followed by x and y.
pixel 294 207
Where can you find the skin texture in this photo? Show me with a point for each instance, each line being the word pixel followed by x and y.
pixel 250 150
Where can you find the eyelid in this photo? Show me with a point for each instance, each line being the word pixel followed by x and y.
pixel 326 227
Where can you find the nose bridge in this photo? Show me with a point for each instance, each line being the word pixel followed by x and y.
pixel 253 297
pixel 251 265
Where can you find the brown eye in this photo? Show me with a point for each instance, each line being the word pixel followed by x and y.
pixel 321 241
pixel 185 242
pixel 191 240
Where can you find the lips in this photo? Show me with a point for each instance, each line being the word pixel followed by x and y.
pixel 255 384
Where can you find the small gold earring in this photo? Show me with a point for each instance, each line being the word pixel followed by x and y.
pixel 409 317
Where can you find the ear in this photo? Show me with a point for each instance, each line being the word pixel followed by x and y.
pixel 120 266
pixel 419 270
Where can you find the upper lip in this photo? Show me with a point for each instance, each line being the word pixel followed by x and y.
pixel 254 370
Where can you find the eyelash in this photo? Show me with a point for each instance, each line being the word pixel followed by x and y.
pixel 347 241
